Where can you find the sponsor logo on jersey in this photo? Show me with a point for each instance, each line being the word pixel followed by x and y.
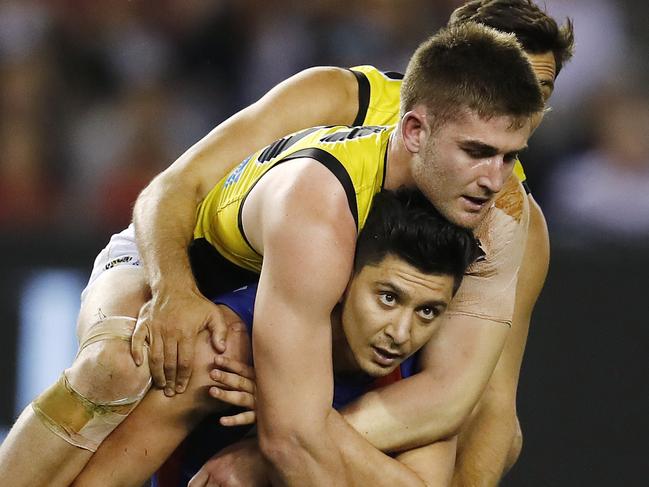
pixel 126 259
pixel 236 173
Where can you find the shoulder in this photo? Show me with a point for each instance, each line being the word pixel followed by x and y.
pixel 503 233
pixel 379 94
pixel 304 193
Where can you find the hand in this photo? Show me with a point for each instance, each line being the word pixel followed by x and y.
pixel 235 385
pixel 238 465
pixel 170 323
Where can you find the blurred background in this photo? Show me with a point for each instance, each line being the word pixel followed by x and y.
pixel 97 97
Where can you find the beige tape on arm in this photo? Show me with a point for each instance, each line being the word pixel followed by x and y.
pixel 73 417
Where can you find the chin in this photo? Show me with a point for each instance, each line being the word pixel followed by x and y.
pixel 464 219
pixel 376 371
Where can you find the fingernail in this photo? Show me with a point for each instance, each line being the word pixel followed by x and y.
pixel 169 391
pixel 180 388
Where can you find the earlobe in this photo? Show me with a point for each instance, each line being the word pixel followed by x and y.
pixel 413 128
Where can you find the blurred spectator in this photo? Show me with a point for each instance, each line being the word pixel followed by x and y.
pixel 27 195
pixel 601 194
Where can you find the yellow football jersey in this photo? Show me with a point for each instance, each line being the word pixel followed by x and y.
pixel 379 94
pixel 355 155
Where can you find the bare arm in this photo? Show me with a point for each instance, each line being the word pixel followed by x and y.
pixel 434 463
pixel 299 432
pixel 488 444
pixel 456 367
pixel 164 214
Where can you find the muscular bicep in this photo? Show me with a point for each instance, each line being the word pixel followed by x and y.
pixel 532 274
pixel 308 253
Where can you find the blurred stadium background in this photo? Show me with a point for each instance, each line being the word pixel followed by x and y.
pixel 97 97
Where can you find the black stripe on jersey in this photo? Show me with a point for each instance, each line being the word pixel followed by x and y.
pixel 337 169
pixel 214 273
pixel 526 187
pixel 385 167
pixel 282 144
pixel 393 75
pixel 328 161
pixel 363 97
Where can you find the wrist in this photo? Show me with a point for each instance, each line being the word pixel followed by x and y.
pixel 177 286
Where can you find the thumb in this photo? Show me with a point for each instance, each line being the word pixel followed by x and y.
pixel 140 334
pixel 218 331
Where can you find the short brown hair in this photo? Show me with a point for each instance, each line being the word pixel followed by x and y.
pixel 533 27
pixel 471 66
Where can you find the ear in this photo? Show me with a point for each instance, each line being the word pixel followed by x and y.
pixel 414 129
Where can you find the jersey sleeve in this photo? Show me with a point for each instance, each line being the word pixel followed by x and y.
pixel 379 94
pixel 488 290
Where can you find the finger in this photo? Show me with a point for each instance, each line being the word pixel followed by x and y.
pixel 156 360
pixel 137 342
pixel 232 381
pixel 170 358
pixel 186 347
pixel 241 419
pixel 235 398
pixel 218 331
pixel 199 480
pixel 240 368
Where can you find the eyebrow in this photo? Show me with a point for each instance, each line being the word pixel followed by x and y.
pixel 399 290
pixel 547 82
pixel 486 149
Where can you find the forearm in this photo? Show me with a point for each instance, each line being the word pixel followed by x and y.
pixel 164 218
pixel 337 455
pixel 392 424
pixel 487 445
pixel 365 464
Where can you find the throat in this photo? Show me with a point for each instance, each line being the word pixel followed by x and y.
pixel 344 363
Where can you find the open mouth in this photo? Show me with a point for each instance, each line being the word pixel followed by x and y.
pixel 475 203
pixel 385 357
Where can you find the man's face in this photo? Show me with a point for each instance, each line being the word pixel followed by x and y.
pixel 465 162
pixel 545 69
pixel 389 311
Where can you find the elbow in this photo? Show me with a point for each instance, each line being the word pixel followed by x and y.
pixel 455 419
pixel 286 447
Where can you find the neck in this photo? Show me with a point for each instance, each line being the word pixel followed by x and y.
pixel 343 359
pixel 398 162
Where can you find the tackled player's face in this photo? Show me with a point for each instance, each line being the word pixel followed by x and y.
pixel 464 163
pixel 390 311
pixel 545 69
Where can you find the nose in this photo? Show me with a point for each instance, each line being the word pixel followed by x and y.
pixel 494 175
pixel 399 329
